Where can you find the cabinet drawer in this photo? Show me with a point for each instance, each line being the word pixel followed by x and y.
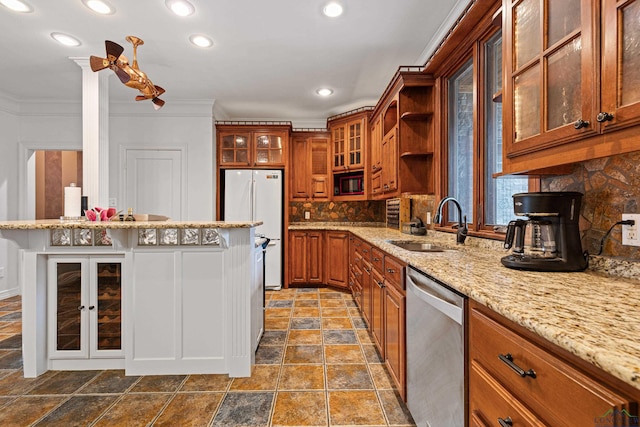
pixel 377 259
pixel 365 250
pixel 489 402
pixel 556 392
pixel 393 271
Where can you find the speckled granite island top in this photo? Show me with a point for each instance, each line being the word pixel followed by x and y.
pixel 57 224
pixel 593 316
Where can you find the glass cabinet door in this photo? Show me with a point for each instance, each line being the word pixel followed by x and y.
pixel 109 306
pixel 355 144
pixel 339 148
pixel 620 64
pixel 551 89
pixel 268 149
pixel 68 297
pixel 234 149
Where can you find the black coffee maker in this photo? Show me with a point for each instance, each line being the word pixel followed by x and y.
pixel 549 240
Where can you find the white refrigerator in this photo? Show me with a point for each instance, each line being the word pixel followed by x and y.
pixel 257 195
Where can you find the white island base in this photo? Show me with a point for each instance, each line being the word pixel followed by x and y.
pixel 191 296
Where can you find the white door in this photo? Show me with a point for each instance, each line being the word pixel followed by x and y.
pixel 153 182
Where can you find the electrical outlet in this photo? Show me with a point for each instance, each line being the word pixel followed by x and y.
pixel 630 235
pixel 307 215
pixel 1 272
pixel 113 202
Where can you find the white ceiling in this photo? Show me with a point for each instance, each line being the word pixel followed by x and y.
pixel 268 57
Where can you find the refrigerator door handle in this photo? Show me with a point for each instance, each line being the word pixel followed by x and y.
pixel 254 195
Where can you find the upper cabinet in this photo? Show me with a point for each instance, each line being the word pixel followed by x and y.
pixel 572 78
pixel 403 136
pixel 252 144
pixel 310 171
pixel 620 64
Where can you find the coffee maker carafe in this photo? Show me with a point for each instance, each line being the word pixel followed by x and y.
pixel 549 240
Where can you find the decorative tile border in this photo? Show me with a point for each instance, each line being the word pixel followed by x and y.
pixel 68 237
pixel 175 237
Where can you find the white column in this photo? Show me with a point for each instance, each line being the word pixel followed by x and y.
pixel 95 134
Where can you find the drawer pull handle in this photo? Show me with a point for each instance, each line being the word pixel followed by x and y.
pixel 508 359
pixel 390 270
pixel 375 259
pixel 507 422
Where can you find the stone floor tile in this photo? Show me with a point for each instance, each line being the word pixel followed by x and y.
pixel 269 354
pixel 305 336
pixel 303 354
pixel 395 409
pixel 371 353
pixel 206 382
pixel 307 303
pixel 334 312
pixel 263 377
pixel 111 381
pixel 334 303
pixel 12 359
pixel 355 408
pixel 359 323
pixel 381 378
pixel 10 341
pixel 305 323
pixel 336 323
pixel 134 409
pixel 277 312
pixel 25 410
pixel 158 383
pixel 244 409
pixel 190 410
pixel 306 312
pixel 301 377
pixel 300 409
pixel 273 338
pixel 280 304
pixel 338 336
pixel 16 384
pixel 330 295
pixel 78 411
pixel 364 336
pixel 355 377
pixel 306 295
pixel 64 382
pixel 277 323
pixel 344 353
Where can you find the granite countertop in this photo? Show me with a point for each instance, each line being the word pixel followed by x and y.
pixel 58 224
pixel 593 316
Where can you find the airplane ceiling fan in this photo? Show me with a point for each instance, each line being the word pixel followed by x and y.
pixel 129 74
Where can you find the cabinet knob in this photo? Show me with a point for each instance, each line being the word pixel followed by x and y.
pixel 506 422
pixel 579 124
pixel 81 307
pixel 604 117
pixel 390 270
pixel 92 307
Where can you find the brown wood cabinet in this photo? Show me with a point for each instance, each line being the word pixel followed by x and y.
pixel 403 133
pixel 310 172
pixel 306 257
pixel 571 87
pixel 395 333
pixel 515 374
pixel 337 259
pixel 252 144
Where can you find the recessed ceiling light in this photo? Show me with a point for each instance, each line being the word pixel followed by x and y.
pixel 99 6
pixel 332 9
pixel 66 39
pixel 17 6
pixel 201 40
pixel 324 91
pixel 180 7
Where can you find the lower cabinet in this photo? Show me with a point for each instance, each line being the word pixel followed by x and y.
pixel 522 380
pixel 395 336
pixel 84 307
pixel 306 257
pixel 337 261
pixel 377 327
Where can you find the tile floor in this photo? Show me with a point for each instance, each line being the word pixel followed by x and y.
pixel 316 366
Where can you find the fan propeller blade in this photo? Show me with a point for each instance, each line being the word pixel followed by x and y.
pixel 98 63
pixel 114 50
pixel 157 103
pixel 159 90
pixel 122 75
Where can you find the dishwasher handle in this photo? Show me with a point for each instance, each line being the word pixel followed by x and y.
pixel 421 288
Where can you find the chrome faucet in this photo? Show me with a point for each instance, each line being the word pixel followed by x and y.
pixel 462 232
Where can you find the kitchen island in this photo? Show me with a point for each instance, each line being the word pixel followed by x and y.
pixel 171 297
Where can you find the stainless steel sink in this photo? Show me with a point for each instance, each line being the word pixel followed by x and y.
pixel 418 247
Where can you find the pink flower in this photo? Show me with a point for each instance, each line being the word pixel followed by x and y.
pixel 90 215
pixel 111 213
pixel 103 215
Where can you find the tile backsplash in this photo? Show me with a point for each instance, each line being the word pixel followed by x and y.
pixel 611 187
pixel 372 211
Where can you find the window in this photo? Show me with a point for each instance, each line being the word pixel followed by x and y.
pixel 474 141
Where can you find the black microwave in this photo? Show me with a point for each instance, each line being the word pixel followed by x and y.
pixel 347 185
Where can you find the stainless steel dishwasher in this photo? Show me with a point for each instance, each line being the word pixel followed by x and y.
pixel 435 352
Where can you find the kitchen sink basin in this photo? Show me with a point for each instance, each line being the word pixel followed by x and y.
pixel 419 247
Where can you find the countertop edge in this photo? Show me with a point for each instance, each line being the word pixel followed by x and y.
pixel 57 224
